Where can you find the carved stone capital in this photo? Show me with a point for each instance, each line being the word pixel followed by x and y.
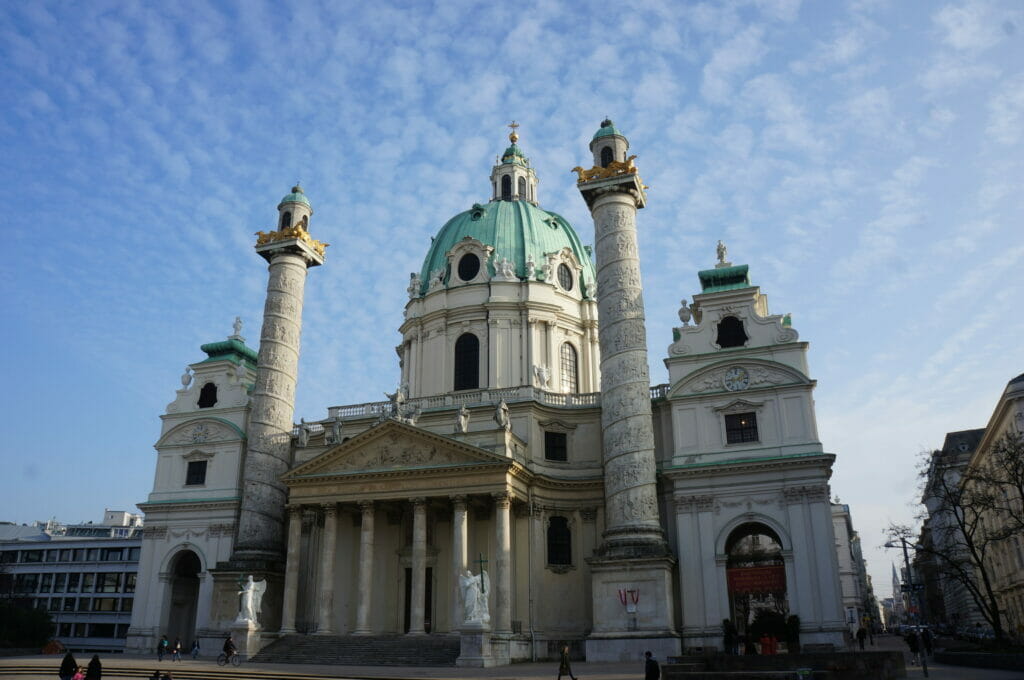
pixel 366 507
pixel 329 509
pixel 588 514
pixel 502 499
pixel 459 502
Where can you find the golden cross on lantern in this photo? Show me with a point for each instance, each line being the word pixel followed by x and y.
pixel 514 136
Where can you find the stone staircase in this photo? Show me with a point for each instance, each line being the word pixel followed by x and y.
pixel 363 650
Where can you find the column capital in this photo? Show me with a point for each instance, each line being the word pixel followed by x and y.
pixel 459 501
pixel 329 509
pixel 418 501
pixel 294 509
pixel 502 499
pixel 366 506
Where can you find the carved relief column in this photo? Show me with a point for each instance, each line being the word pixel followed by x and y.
pixel 327 570
pixel 554 370
pixel 365 570
pixel 417 592
pixel 502 620
pixel 460 557
pixel 631 522
pixel 291 570
pixel 260 536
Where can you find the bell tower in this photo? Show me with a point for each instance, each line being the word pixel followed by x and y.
pixel 634 557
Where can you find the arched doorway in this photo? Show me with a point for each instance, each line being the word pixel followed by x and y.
pixel 756 578
pixel 181 615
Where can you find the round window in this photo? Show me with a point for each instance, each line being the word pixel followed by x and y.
pixel 564 277
pixel 469 267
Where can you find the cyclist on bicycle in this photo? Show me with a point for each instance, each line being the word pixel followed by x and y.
pixel 229 647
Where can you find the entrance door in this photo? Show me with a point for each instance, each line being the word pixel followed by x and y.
pixel 184 585
pixel 428 613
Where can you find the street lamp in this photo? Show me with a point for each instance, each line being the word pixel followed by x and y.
pixel 913 597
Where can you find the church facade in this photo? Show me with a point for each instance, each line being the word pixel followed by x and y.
pixel 524 448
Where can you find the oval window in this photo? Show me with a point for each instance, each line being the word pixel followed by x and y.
pixel 469 267
pixel 564 277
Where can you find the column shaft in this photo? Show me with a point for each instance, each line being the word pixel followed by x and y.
pixel 291 570
pixel 365 570
pixel 419 566
pixel 460 558
pixel 502 620
pixel 326 618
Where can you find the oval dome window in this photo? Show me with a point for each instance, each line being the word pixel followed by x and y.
pixel 469 267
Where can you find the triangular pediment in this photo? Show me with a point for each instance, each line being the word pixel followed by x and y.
pixel 393 446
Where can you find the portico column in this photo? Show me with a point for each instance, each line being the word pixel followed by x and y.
pixel 291 570
pixel 365 570
pixel 419 566
pixel 460 557
pixel 503 574
pixel 327 570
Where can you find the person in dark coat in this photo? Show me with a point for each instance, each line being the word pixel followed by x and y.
pixel 862 635
pixel 67 667
pixel 95 669
pixel 914 644
pixel 926 640
pixel 563 665
pixel 652 671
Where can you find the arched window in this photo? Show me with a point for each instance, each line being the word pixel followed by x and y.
pixel 286 219
pixel 570 379
pixel 559 541
pixel 606 156
pixel 506 188
pixel 522 189
pixel 467 362
pixel 731 333
pixel 207 396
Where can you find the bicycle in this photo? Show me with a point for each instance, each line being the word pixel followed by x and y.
pixel 223 659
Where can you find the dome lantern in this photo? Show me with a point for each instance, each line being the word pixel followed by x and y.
pixel 294 209
pixel 512 178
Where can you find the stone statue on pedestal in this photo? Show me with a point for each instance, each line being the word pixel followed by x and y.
pixel 474 597
pixel 252 598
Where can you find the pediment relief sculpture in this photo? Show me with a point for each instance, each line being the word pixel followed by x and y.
pixel 205 431
pixel 737 377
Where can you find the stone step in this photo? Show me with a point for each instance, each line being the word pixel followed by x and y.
pixel 363 650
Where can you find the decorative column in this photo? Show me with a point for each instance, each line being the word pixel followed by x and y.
pixel 291 570
pixel 417 593
pixel 365 570
pixel 326 613
pixel 460 557
pixel 502 620
pixel 290 251
pixel 613 193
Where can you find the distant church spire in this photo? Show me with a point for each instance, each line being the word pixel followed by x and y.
pixel 512 178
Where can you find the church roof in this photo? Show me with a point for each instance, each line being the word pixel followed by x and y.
pixel 232 350
pixel 724 278
pixel 607 128
pixel 516 230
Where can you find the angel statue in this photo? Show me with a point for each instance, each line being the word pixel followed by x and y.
pixel 722 251
pixel 252 597
pixel 474 597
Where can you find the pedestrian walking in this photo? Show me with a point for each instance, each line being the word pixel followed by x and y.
pixel 176 650
pixel 195 649
pixel 162 648
pixel 95 669
pixel 861 636
pixel 67 667
pixel 914 644
pixel 563 664
pixel 926 641
pixel 652 671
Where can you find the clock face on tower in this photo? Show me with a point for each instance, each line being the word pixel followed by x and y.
pixel 735 379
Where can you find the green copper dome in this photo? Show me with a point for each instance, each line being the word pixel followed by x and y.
pixel 607 128
pixel 297 196
pixel 513 154
pixel 516 230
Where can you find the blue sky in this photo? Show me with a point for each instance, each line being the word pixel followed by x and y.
pixel 864 158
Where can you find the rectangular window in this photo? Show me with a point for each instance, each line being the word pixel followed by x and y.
pixel 104 604
pixel 54 604
pixel 133 554
pixel 101 630
pixel 87 582
pixel 69 604
pixel 46 584
pixel 60 583
pixel 65 630
pixel 108 583
pixel 196 473
pixel 555 446
pixel 93 555
pixel 73 582
pixel 80 631
pixel 740 428
pixel 129 582
pixel 79 555
pixel 111 555
pixel 9 557
pixel 32 556
pixel 51 555
pixel 65 555
pixel 122 630
pixel 126 604
pixel 26 583
pixel 84 604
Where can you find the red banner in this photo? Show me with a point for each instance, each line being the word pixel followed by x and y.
pixel 756 579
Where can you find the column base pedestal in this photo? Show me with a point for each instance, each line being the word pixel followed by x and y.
pixel 475 647
pixel 248 638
